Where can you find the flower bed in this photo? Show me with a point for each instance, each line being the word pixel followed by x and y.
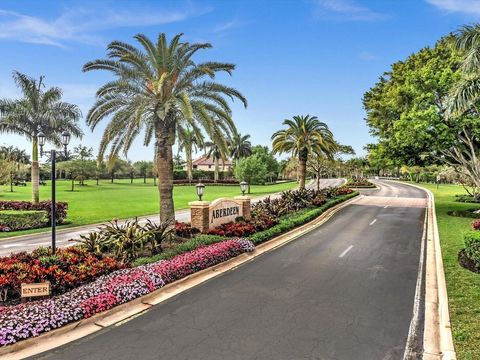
pixel 31 319
pixel 69 268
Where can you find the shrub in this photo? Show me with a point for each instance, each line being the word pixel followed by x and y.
pixel 61 208
pixel 185 230
pixel 467 198
pixel 23 219
pixel 70 267
pixel 233 229
pixel 476 224
pixel 31 319
pixel 472 246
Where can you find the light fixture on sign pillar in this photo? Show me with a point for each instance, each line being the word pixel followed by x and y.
pixel 53 157
pixel 200 190
pixel 243 187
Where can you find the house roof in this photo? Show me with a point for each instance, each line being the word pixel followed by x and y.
pixel 204 160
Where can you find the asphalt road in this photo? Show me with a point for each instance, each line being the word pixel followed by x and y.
pixel 344 291
pixel 31 242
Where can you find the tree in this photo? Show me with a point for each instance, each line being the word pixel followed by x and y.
pixel 240 146
pixel 15 159
pixel 189 139
pixel 156 88
pixel 81 152
pixel 38 111
pixel 78 170
pixel 304 136
pixel 252 170
pixel 143 168
pixel 264 153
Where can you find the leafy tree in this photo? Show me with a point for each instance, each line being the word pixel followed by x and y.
pixel 189 139
pixel 78 170
pixel 267 157
pixel 15 159
pixel 304 136
pixel 38 111
pixel 252 170
pixel 144 169
pixel 407 108
pixel 157 87
pixel 81 152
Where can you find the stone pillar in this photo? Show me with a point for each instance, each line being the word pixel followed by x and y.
pixel 199 215
pixel 246 207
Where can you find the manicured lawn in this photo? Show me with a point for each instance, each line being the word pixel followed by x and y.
pixel 463 286
pixel 91 204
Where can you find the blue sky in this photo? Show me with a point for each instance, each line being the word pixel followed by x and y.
pixel 313 57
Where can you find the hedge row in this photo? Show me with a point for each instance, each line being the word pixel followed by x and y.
pixel 20 220
pixel 61 207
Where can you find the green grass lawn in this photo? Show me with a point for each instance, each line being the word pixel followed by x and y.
pixel 463 286
pixel 91 204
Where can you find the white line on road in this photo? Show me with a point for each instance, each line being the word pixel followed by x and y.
pixel 346 251
pixel 373 222
pixel 386 206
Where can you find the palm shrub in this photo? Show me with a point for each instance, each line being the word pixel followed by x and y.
pixel 38 111
pixel 304 136
pixel 157 87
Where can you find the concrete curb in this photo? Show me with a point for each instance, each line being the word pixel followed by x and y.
pixel 437 338
pixel 125 312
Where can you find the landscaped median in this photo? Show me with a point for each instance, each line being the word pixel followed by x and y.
pixel 126 281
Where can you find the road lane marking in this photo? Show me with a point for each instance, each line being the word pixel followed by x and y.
pixel 345 251
pixel 386 206
pixel 373 222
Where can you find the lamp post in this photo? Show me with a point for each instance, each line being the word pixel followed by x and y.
pixel 200 190
pixel 53 207
pixel 243 187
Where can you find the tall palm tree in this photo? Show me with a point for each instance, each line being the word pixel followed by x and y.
pixel 189 139
pixel 240 146
pixel 158 86
pixel 305 135
pixel 38 111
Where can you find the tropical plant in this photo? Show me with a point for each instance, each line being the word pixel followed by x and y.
pixel 189 139
pixel 215 152
pixel 158 233
pixel 157 87
pixel 127 240
pixel 304 136
pixel 240 146
pixel 38 111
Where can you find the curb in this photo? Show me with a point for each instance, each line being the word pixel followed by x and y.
pixel 437 338
pixel 125 312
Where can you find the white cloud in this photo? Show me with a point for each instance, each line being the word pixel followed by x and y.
pixel 469 7
pixel 367 56
pixel 83 25
pixel 347 10
pixel 226 26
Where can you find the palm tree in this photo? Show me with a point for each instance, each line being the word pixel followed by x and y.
pixel 305 135
pixel 158 87
pixel 189 139
pixel 38 111
pixel 215 152
pixel 240 146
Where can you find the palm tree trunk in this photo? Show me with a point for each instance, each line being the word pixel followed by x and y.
pixel 319 170
pixel 35 172
pixel 188 153
pixel 302 170
pixel 215 175
pixel 164 156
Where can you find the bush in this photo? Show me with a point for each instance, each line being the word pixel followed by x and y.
pixel 466 199
pixel 185 230
pixel 61 208
pixel 23 219
pixel 233 229
pixel 472 246
pixel 69 268
pixel 206 181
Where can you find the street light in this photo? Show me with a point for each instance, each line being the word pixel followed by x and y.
pixel 243 187
pixel 53 156
pixel 200 190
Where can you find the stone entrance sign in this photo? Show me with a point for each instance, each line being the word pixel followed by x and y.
pixel 222 211
pixel 206 215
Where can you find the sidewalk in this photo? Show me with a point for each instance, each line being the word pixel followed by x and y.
pixel 32 241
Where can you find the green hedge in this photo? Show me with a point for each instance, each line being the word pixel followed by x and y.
pixel 472 246
pixel 23 219
pixel 200 240
pixel 292 221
